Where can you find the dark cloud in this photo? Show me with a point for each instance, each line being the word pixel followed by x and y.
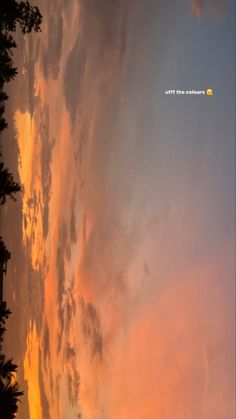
pixel 73 232
pixel 70 354
pixel 91 328
pixel 73 77
pixel 34 296
pixel 109 249
pixel 52 54
pixel 70 309
pixel 73 229
pixel 73 376
pixel 60 289
pixel 45 160
pixel 99 54
pixel 73 381
pixel 105 29
pixel 46 342
pixel 44 399
pixel 104 21
pixel 65 298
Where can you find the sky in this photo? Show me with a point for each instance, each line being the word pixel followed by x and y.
pixel 121 280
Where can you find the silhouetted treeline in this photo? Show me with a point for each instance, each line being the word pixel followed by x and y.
pixel 28 18
pixel 8 186
pixel 13 14
pixel 10 392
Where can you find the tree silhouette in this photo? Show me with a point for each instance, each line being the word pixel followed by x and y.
pixel 7 368
pixel 6 41
pixel 3 96
pixel 2 330
pixel 12 12
pixel 3 124
pixel 7 185
pixel 4 313
pixel 7 71
pixel 9 398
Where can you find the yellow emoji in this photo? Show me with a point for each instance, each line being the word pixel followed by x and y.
pixel 209 92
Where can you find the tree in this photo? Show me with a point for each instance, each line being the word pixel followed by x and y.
pixel 2 330
pixel 3 96
pixel 4 313
pixel 3 124
pixel 9 397
pixel 7 368
pixel 12 12
pixel 8 186
pixel 7 71
pixel 6 41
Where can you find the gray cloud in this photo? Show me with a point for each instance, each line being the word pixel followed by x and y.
pixel 99 55
pixel 52 54
pixel 73 77
pixel 45 160
pixel 216 8
pixel 91 328
pixel 73 376
pixel 65 298
pixel 104 23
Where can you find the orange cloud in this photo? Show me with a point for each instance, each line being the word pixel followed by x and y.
pixel 31 373
pixel 29 171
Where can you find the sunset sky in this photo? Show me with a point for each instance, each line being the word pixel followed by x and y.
pixel 121 280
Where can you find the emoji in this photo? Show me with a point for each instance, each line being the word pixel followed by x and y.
pixel 209 92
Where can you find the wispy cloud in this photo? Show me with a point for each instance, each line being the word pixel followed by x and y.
pixel 216 8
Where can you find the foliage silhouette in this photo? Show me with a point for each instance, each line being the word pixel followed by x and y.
pixel 7 71
pixel 12 13
pixel 3 124
pixel 7 368
pixel 27 18
pixel 6 41
pixel 4 313
pixel 8 186
pixel 9 398
pixel 3 96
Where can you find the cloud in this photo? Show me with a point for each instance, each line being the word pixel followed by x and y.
pixel 73 230
pixel 73 376
pixel 73 381
pixel 51 54
pixel 47 146
pixel 31 373
pixel 44 399
pixel 46 342
pixel 91 328
pixel 104 23
pixel 61 276
pixel 216 8
pixel 98 57
pixel 35 295
pixel 65 284
pixel 73 77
